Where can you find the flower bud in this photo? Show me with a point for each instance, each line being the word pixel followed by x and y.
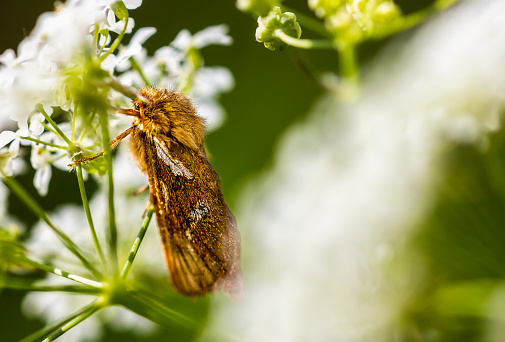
pixel 386 12
pixel 120 10
pixel 276 20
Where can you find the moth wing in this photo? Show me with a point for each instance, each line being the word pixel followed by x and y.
pixel 199 233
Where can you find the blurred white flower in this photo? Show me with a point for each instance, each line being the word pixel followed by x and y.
pixel 208 84
pixel 134 47
pixel 30 77
pixel 41 160
pixel 212 35
pixel 15 138
pixel 325 230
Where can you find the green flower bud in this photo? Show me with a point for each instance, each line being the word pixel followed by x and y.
pixel 339 22
pixel 104 32
pixel 276 20
pixel 325 8
pixel 120 10
pixel 260 7
pixel 386 12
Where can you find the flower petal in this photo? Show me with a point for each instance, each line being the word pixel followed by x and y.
pixel 41 179
pixel 6 137
pixel 212 35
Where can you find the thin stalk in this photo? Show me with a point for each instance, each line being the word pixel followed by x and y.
pixel 126 91
pixel 102 46
pixel 48 128
pixel 75 321
pixel 62 273
pixel 55 126
pixel 95 36
pixel 347 62
pixel 74 115
pixel 308 22
pixel 17 285
pixel 45 143
pixel 84 133
pixel 45 331
pixel 87 210
pixel 304 43
pixel 153 310
pixel 409 21
pixel 136 244
pixel 112 232
pixel 37 210
pixel 116 42
pixel 137 68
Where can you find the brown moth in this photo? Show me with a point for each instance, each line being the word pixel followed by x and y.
pixel 199 233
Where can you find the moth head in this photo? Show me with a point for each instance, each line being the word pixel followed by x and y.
pixel 169 113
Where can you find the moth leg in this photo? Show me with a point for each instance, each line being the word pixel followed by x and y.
pixel 113 145
pixel 148 205
pixel 141 190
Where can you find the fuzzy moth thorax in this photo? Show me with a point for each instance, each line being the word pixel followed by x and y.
pixel 172 114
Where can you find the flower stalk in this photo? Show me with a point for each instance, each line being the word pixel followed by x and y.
pixel 136 243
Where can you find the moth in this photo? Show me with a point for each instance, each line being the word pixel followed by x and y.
pixel 199 234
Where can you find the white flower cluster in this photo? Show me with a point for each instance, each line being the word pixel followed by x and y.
pixel 327 226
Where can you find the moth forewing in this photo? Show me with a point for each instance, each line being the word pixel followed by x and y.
pixel 199 234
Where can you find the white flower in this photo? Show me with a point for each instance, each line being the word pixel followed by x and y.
pixel 57 38
pixel 15 138
pixel 118 26
pixel 212 35
pixel 134 47
pixel 327 226
pixel 212 81
pixel 41 160
pixel 208 84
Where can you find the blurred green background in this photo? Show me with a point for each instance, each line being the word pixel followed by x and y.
pixel 271 92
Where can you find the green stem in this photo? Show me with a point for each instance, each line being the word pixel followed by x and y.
pixel 48 128
pixel 37 210
pixel 116 42
pixel 87 210
pixel 102 46
pixel 136 244
pixel 17 285
pixel 126 91
pixel 74 115
pixel 40 108
pixel 45 143
pixel 137 68
pixel 45 331
pixel 63 274
pixel 347 62
pixel 95 36
pixel 153 310
pixel 308 22
pixel 97 305
pixel 112 232
pixel 86 132
pixel 304 43
pixel 408 21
